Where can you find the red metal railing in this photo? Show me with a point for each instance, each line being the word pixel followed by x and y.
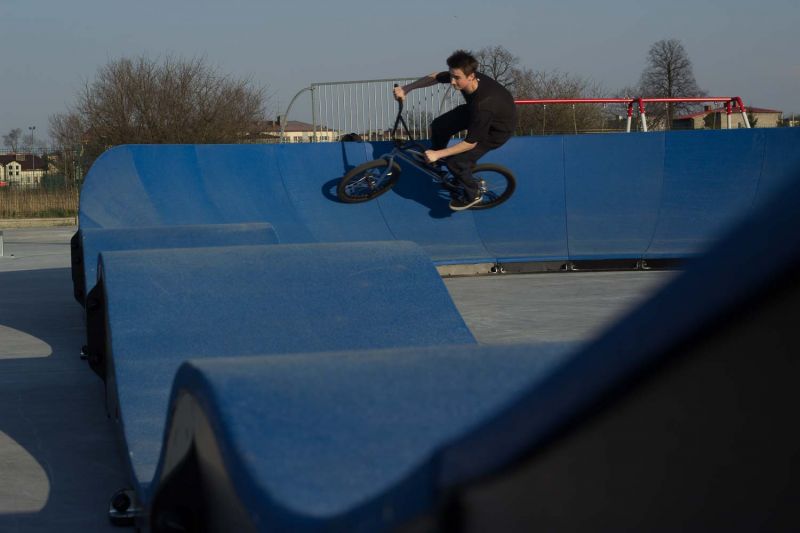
pixel 730 103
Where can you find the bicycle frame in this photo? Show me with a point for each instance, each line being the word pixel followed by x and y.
pixel 401 150
pixel 400 153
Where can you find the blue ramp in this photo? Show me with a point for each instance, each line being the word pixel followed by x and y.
pixel 162 307
pixel 638 196
pixel 338 442
pixel 613 191
pixel 92 241
pixel 531 226
pixel 682 407
pixel 426 411
pixel 710 181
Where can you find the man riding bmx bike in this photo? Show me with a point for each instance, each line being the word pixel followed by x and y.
pixel 489 116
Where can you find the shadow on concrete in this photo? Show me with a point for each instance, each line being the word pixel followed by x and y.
pixel 51 410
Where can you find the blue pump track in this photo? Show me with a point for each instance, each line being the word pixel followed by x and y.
pixel 278 360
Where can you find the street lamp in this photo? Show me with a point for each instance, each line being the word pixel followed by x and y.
pixel 30 146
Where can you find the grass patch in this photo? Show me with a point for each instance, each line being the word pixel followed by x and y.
pixel 40 202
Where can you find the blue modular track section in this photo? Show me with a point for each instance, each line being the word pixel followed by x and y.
pixel 612 202
pixel 314 276
pixel 654 195
pixel 97 240
pixel 349 453
pixel 531 225
pixel 410 425
pixel 165 306
pixel 781 163
pixel 703 194
pixel 758 250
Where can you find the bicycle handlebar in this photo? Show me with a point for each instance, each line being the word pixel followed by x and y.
pixel 399 120
pixel 401 101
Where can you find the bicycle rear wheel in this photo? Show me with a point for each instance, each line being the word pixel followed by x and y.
pixel 497 184
pixel 367 181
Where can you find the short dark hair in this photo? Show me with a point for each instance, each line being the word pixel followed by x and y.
pixel 461 59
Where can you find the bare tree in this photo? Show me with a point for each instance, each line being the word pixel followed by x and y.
pixel 12 139
pixel 68 130
pixel 540 119
pixel 498 63
pixel 668 74
pixel 146 101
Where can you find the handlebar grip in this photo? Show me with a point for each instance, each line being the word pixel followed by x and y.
pixel 399 102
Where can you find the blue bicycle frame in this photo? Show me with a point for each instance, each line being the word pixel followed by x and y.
pixel 414 157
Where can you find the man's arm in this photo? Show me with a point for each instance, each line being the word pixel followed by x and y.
pixel 434 155
pixel 427 81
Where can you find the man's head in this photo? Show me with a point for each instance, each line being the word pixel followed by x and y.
pixel 463 67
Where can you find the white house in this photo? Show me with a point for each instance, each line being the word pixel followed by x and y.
pixel 24 170
pixel 294 132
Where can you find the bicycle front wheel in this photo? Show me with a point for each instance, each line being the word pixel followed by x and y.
pixel 367 181
pixel 497 184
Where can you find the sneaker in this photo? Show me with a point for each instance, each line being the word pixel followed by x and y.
pixel 461 204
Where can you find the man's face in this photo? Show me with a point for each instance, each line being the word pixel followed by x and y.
pixel 458 80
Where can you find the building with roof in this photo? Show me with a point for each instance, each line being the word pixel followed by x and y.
pixel 24 170
pixel 714 118
pixel 294 131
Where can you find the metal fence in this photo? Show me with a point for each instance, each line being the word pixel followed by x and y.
pixel 42 182
pixel 367 108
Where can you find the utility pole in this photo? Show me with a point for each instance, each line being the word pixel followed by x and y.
pixel 30 147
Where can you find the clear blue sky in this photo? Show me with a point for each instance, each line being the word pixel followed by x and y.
pixel 52 47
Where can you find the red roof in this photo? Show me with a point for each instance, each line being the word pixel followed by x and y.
pixel 734 109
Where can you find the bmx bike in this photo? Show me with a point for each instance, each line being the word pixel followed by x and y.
pixel 373 178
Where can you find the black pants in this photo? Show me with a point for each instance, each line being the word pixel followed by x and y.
pixel 461 165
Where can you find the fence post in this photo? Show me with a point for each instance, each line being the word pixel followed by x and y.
pixel 286 115
pixel 1 243
pixel 314 113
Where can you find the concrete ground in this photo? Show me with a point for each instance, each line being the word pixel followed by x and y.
pixel 59 455
pixel 59 458
pixel 552 307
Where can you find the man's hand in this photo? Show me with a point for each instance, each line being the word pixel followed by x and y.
pixel 399 93
pixel 432 156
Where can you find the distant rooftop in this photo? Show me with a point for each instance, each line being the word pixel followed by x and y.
pixel 26 161
pixel 735 109
pixel 272 126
